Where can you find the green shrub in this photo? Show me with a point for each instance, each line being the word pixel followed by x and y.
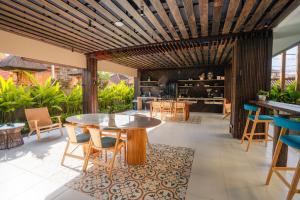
pixel 115 98
pixel 12 97
pixel 289 95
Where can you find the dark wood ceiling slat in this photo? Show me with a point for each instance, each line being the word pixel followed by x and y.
pixel 126 5
pixel 43 28
pixel 83 21
pixel 243 15
pixel 178 18
pixel 203 10
pixel 276 8
pixel 189 10
pixel 217 16
pixel 33 8
pixel 285 13
pixel 232 8
pixel 98 20
pixel 33 16
pixel 164 17
pixel 112 18
pixel 42 31
pixel 35 35
pixel 148 13
pixel 128 20
pixel 262 7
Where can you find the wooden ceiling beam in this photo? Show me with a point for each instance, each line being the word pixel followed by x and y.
pixel 262 7
pixel 47 34
pixel 165 18
pixel 244 15
pixel 48 28
pixel 178 18
pixel 231 11
pixel 218 4
pixel 189 10
pixel 118 12
pixel 20 31
pixel 66 10
pixel 203 10
pixel 126 5
pixel 103 24
pixel 50 17
pixel 293 5
pixel 153 19
pixel 275 9
pixel 194 41
pixel 114 19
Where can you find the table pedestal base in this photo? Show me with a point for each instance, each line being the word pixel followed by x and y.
pixel 136 146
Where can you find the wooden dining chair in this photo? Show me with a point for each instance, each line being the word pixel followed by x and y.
pixel 76 139
pixel 100 143
pixel 226 109
pixel 155 108
pixel 166 108
pixel 180 107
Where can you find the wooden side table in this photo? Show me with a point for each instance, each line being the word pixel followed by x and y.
pixel 10 135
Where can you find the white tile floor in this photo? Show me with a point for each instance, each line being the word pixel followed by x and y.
pixel 221 169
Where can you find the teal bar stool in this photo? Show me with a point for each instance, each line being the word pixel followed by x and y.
pixel 255 117
pixel 292 141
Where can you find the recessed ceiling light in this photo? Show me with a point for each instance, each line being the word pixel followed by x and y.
pixel 119 23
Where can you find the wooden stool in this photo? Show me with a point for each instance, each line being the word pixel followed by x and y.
pixel 256 118
pixel 292 141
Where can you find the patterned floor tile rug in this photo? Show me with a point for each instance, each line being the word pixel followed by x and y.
pixel 164 176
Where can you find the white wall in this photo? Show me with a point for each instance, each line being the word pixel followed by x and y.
pixel 108 66
pixel 29 48
pixel 287 33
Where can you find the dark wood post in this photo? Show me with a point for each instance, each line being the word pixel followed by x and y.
pixel 282 70
pixel 251 72
pixel 90 86
pixel 137 84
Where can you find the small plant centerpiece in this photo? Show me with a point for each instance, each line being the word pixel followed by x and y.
pixel 262 95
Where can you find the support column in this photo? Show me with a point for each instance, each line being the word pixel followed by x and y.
pixel 251 72
pixel 298 70
pixel 90 86
pixel 282 70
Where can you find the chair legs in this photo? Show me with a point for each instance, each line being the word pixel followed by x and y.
pixel 245 131
pixel 65 152
pixel 251 136
pixel 274 161
pixel 294 184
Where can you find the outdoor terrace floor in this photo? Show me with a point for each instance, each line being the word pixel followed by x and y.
pixel 221 169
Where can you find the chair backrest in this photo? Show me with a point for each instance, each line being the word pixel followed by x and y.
pixel 180 104
pixel 96 137
pixel 250 107
pixel 71 132
pixel 166 104
pixel 287 123
pixel 156 104
pixel 40 114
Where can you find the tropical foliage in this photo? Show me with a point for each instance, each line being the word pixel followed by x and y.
pixel 115 98
pixel 289 95
pixel 112 98
pixel 12 97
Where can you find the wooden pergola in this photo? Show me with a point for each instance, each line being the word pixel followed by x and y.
pixel 160 34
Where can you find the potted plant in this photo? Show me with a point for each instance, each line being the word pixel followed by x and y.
pixel 262 95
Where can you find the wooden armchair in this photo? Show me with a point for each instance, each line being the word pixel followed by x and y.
pixel 40 121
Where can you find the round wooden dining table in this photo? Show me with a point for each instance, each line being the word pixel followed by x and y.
pixel 135 126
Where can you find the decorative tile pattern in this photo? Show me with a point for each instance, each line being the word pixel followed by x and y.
pixel 164 176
